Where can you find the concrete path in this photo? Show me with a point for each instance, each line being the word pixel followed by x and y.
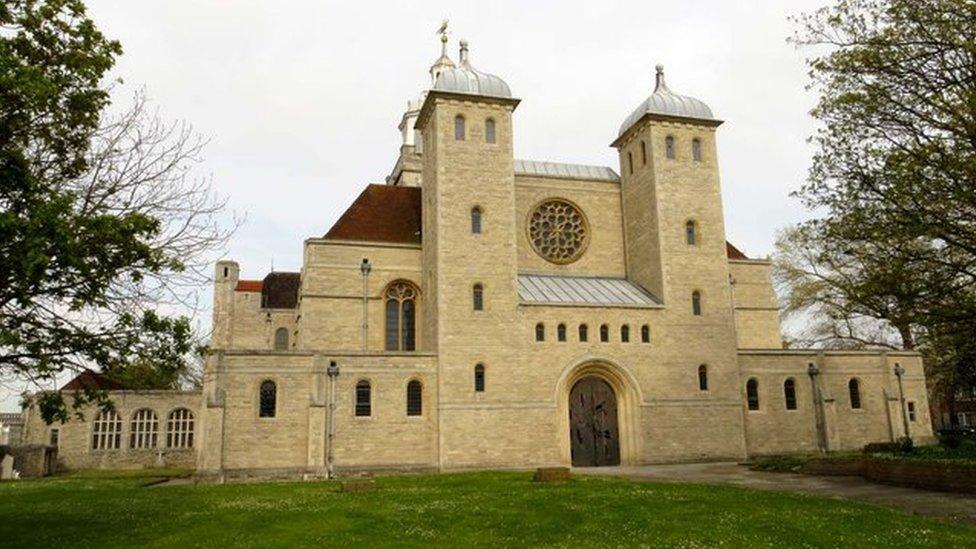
pixel 951 507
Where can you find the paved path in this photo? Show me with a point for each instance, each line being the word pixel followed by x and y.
pixel 952 507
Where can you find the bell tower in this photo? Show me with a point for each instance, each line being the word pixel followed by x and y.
pixel 675 233
pixel 466 126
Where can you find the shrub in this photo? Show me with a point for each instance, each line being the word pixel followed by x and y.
pixel 906 445
pixel 882 448
pixel 950 440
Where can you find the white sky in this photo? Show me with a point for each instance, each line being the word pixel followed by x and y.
pixel 301 98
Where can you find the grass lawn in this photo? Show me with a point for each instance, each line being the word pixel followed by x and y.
pixel 483 509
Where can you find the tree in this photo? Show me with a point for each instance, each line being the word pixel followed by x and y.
pixel 896 153
pixel 856 294
pixel 101 228
pixel 892 259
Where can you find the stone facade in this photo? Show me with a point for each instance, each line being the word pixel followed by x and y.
pixel 420 340
pixel 74 439
pixel 520 416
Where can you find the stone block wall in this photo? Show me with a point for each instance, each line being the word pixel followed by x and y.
pixel 74 438
pixel 775 430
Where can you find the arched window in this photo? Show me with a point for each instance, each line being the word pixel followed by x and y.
pixel 561 332
pixel 752 394
pixel 281 339
pixel 364 398
pixel 107 431
pixel 489 131
pixel 476 220
pixel 669 147
pixel 645 334
pixel 703 378
pixel 479 378
pixel 540 332
pixel 696 150
pixel 643 154
pixel 696 303
pixel 478 297
pixel 854 388
pixel 691 233
pixel 583 332
pixel 268 399
pixel 625 333
pixel 144 429
pixel 415 398
pixel 401 308
pixel 630 161
pixel 604 333
pixel 789 393
pixel 459 128
pixel 179 429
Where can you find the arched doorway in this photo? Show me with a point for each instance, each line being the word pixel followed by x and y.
pixel 594 436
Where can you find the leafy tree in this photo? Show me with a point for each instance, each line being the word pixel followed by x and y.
pixel 99 224
pixel 892 260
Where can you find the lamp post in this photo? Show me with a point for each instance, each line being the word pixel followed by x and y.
pixel 333 373
pixel 899 372
pixel 365 267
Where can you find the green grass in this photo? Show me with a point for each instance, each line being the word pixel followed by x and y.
pixel 790 463
pixel 458 510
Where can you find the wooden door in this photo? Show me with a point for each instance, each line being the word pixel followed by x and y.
pixel 593 424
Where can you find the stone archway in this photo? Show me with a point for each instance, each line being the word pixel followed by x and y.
pixel 626 397
pixel 593 435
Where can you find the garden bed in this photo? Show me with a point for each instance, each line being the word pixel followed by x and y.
pixel 929 468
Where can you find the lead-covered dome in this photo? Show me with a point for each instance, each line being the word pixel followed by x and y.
pixel 667 103
pixel 468 80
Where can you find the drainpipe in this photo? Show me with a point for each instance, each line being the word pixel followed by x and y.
pixel 333 372
pixel 899 372
pixel 818 411
pixel 364 268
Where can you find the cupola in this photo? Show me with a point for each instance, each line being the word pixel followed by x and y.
pixel 664 102
pixel 467 80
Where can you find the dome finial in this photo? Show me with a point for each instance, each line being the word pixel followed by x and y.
pixel 463 56
pixel 659 78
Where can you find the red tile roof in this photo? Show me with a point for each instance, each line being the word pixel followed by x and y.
pixel 92 380
pixel 381 213
pixel 387 213
pixel 733 252
pixel 249 286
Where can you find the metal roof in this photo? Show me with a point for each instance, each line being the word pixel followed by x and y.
pixel 664 101
pixel 582 290
pixel 565 171
pixel 468 80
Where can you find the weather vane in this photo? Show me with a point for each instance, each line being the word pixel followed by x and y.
pixel 443 32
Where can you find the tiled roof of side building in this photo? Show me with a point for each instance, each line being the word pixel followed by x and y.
pixel 733 252
pixel 249 286
pixel 381 213
pixel 280 290
pixel 92 380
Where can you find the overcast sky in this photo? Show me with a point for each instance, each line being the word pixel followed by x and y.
pixel 301 99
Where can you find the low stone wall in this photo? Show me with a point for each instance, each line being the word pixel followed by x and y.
pixel 32 460
pixel 942 477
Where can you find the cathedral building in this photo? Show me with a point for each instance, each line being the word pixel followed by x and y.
pixel 483 311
